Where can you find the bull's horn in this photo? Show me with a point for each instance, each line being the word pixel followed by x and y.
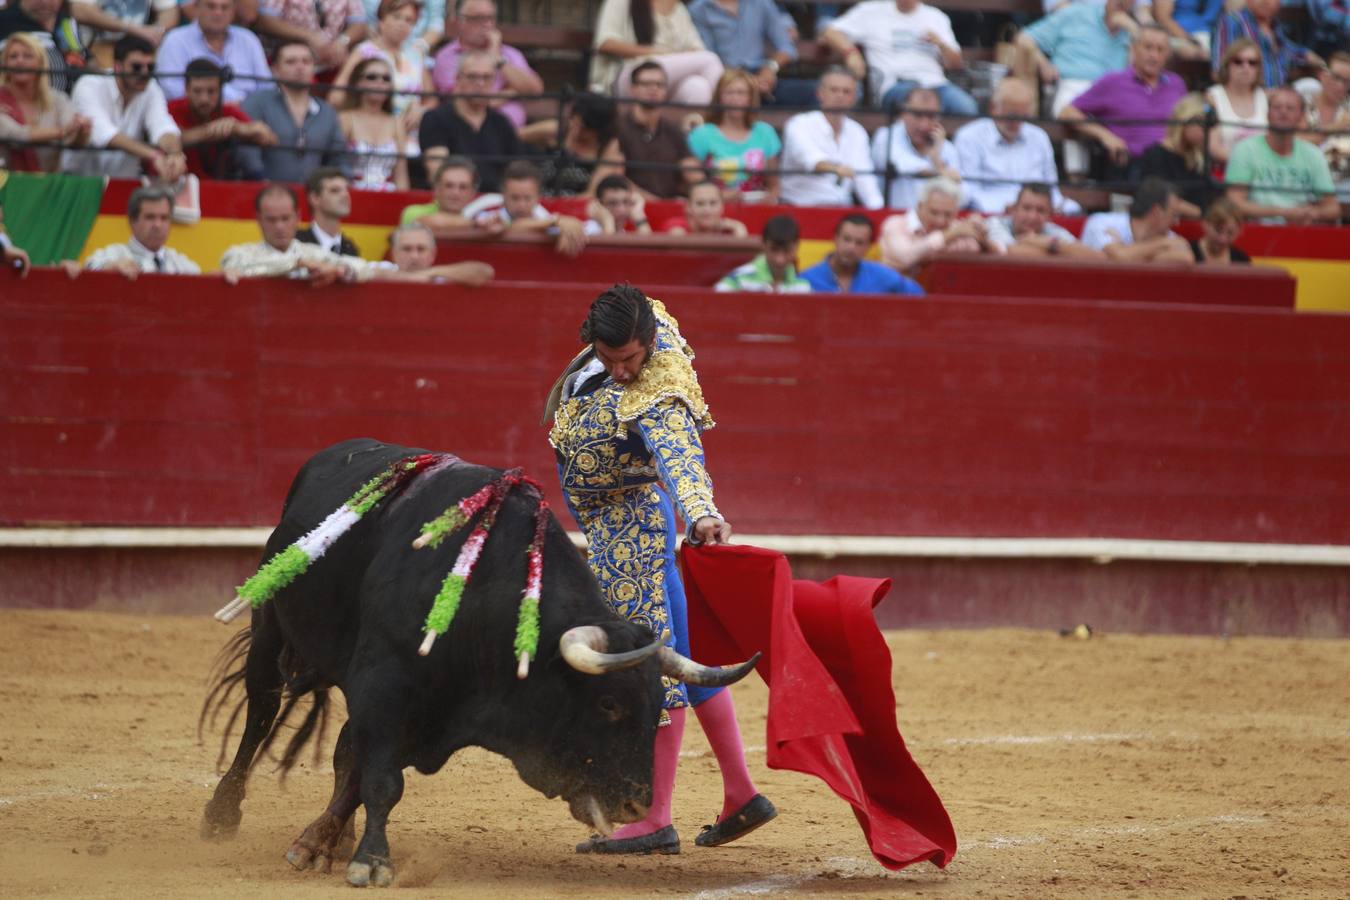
pixel 685 669
pixel 584 649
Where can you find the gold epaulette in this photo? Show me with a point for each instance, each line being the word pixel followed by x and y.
pixel 669 374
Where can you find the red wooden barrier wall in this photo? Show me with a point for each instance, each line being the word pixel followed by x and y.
pixel 176 401
pixel 1009 276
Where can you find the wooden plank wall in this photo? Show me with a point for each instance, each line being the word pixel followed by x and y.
pixel 183 401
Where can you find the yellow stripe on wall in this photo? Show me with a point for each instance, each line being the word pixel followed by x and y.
pixel 1323 284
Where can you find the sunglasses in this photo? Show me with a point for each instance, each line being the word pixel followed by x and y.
pixel 141 68
pixel 1246 62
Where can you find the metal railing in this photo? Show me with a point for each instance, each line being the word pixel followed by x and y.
pixel 561 100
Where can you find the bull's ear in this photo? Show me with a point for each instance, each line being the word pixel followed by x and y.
pixel 586 649
pixel 685 669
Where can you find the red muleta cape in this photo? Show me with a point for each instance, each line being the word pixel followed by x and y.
pixel 831 707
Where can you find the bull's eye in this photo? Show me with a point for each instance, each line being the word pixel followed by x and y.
pixel 610 708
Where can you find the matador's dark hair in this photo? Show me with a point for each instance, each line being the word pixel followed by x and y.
pixel 619 315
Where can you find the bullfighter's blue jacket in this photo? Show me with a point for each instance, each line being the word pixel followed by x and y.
pixel 628 457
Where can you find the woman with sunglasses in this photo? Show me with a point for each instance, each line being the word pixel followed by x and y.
pixel 375 136
pixel 1238 100
pixel 392 42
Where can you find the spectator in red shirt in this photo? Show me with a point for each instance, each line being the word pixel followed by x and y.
pixel 212 130
pixel 705 213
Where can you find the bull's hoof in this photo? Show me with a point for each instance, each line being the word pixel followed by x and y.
pixel 379 873
pixel 326 838
pixel 300 856
pixel 219 831
pixel 220 819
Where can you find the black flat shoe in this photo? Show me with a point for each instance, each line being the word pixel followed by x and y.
pixel 737 825
pixel 663 841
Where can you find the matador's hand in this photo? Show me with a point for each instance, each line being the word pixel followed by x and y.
pixel 712 530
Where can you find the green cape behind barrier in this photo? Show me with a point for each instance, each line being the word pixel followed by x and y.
pixel 49 215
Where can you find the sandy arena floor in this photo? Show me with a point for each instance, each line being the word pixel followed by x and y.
pixel 1118 766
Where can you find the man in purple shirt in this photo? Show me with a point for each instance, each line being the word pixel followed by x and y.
pixel 1131 106
pixel 478 31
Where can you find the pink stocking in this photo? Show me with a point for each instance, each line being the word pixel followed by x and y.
pixel 717 715
pixel 663 779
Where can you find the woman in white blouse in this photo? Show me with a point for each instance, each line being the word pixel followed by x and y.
pixel 1238 99
pixel 629 32
pixel 392 41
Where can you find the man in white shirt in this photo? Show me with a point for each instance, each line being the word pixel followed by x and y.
pixel 150 211
pixel 412 247
pixel 825 153
pixel 913 149
pixel 908 44
pixel 521 213
pixel 908 239
pixel 996 156
pixel 1027 230
pixel 279 253
pixel 129 117
pixel 1144 234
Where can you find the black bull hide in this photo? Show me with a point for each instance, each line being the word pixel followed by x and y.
pixel 354 620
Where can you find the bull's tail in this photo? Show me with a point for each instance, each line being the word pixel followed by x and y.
pixel 226 695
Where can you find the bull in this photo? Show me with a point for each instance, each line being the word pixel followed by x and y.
pixel 579 726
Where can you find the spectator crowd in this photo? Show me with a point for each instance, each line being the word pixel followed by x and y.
pixel 681 103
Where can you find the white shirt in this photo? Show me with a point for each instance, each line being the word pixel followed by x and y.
pixel 1105 228
pixel 325 240
pixel 146 118
pixel 1001 230
pixel 170 261
pixel 808 139
pixel 993 168
pixel 486 213
pixel 1233 127
pixel 911 168
pixel 262 260
pixel 894 42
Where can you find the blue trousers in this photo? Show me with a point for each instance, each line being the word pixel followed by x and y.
pixel 954 101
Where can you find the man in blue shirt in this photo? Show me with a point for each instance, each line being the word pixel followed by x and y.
pixel 753 35
pixel 308 132
pixel 213 37
pixel 1259 21
pixel 846 272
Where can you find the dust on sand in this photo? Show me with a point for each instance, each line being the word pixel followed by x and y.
pixel 1116 766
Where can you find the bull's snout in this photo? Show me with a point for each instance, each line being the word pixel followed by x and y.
pixel 589 810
